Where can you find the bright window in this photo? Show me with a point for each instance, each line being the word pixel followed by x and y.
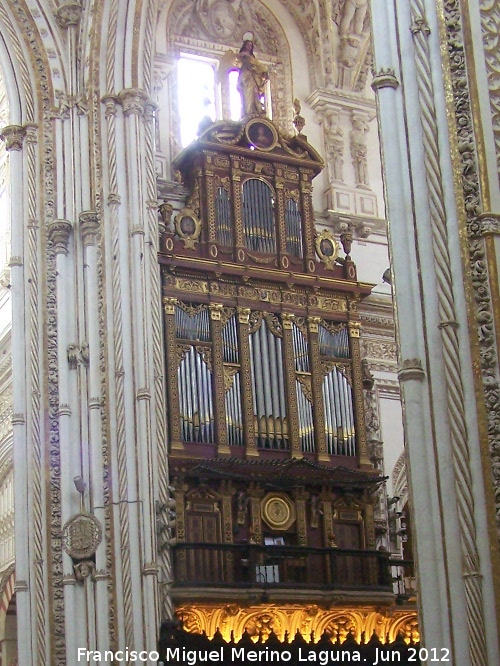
pixel 196 85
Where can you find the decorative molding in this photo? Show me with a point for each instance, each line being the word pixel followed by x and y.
pixel 488 350
pixel 307 619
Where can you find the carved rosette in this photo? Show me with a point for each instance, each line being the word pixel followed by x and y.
pixel 13 135
pixel 59 233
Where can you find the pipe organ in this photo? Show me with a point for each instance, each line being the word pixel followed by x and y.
pixel 265 408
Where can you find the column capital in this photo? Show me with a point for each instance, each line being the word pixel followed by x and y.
pixel 89 226
pixel 490 223
pixel 385 78
pixel 133 101
pixel 69 14
pixel 13 135
pixel 59 233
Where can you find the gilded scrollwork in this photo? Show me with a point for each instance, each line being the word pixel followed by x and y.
pixel 288 619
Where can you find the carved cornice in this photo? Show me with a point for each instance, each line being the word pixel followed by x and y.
pixel 59 233
pixel 13 135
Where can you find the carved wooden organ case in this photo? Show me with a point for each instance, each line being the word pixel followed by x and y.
pixel 260 311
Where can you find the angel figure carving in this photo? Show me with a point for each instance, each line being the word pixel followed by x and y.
pixel 252 78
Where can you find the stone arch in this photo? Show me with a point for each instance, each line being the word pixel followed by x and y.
pixel 8 632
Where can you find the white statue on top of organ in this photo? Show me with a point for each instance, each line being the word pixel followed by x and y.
pixel 252 78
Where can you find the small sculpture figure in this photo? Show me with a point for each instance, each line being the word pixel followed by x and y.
pixel 315 510
pixel 353 18
pixel 334 144
pixel 359 151
pixel 252 78
pixel 242 507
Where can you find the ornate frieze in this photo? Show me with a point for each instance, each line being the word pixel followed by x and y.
pixel 307 620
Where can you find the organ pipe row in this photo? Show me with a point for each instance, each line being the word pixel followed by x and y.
pixel 224 234
pixel 259 221
pixel 339 416
pixel 333 344
pixel 195 398
pixel 269 402
pixel 293 226
pixel 268 382
pixel 258 216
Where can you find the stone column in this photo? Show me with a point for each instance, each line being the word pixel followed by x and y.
pixel 25 587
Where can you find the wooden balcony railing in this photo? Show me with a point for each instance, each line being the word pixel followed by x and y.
pixel 253 565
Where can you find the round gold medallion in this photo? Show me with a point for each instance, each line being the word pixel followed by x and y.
pixel 278 511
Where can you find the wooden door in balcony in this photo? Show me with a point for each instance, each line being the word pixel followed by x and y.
pixel 348 568
pixel 204 565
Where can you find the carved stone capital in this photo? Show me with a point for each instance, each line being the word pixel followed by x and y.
pixel 411 368
pixel 13 135
pixel 89 226
pixel 420 25
pixel 69 14
pixel 59 233
pixel 169 305
pixel 31 130
pixel 490 223
pixel 385 78
pixel 133 101
pixel 110 102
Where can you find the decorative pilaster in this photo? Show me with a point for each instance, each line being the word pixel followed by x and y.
pixel 246 381
pixel 290 382
pixel 172 384
pixel 256 493
pixel 317 391
pixel 301 496
pixel 357 390
pixel 218 375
